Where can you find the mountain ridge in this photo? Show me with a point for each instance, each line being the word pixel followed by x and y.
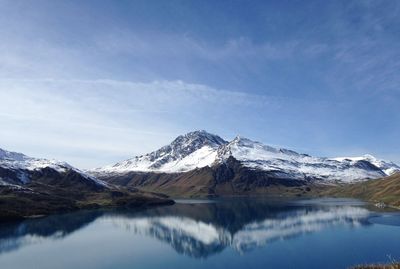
pixel 35 187
pixel 197 146
pixel 21 168
pixel 185 154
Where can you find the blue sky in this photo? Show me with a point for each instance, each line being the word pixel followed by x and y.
pixel 94 82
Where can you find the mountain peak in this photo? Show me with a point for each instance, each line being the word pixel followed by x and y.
pixel 202 137
pixel 243 140
pixel 186 144
pixel 369 157
pixel 13 156
pixel 186 152
pixel 199 149
pixel 198 132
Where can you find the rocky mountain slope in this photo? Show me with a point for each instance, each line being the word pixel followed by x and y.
pixel 185 153
pixel 31 186
pixel 17 170
pixel 205 164
pixel 384 192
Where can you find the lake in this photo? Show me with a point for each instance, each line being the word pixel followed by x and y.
pixel 221 233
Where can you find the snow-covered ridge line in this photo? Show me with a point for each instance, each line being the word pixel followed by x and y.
pixel 15 160
pixel 200 149
pixel 389 168
pixel 187 152
pixel 302 166
pixel 22 163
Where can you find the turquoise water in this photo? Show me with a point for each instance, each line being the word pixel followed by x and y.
pixel 225 233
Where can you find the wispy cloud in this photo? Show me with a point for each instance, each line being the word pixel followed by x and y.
pixel 319 76
pixel 128 42
pixel 70 118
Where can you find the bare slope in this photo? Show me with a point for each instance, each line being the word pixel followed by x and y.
pixel 386 190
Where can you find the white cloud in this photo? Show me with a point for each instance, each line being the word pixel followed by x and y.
pixel 106 120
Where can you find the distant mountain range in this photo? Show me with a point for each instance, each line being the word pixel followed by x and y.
pixel 204 163
pixel 194 164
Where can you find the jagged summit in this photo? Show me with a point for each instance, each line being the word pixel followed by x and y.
pixel 184 145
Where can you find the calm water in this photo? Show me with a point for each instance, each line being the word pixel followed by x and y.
pixel 228 233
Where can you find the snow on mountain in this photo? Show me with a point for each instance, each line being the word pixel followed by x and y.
pixel 22 165
pixel 199 149
pixel 389 168
pixel 8 155
pixel 298 166
pixel 15 160
pixel 187 152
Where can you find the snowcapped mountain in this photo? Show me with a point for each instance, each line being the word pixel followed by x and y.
pixel 201 149
pixel 32 187
pixel 185 153
pixel 301 166
pixel 17 169
pixel 389 168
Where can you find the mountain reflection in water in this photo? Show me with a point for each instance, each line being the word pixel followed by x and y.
pixel 31 231
pixel 197 229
